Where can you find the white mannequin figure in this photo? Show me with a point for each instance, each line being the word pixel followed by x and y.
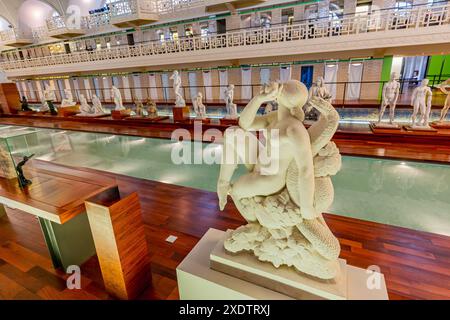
pixel 97 105
pixel 284 209
pixel 391 91
pixel 179 102
pixel 85 108
pixel 231 107
pixel 445 88
pixel 68 101
pixel 117 96
pixel 421 101
pixel 199 107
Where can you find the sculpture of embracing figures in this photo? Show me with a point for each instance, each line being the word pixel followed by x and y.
pixel 284 208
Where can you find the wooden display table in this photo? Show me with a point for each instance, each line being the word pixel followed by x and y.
pixel 60 197
pixel 58 202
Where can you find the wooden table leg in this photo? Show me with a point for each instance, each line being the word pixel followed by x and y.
pixel 2 210
pixel 119 237
pixel 70 243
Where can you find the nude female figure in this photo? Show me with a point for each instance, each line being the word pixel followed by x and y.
pixel 294 144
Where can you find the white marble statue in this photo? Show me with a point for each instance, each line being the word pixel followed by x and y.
pixel 199 107
pixel 68 101
pixel 49 93
pixel 445 88
pixel 44 104
pixel 284 209
pixel 117 97
pixel 97 105
pixel 390 93
pixel 179 102
pixel 231 107
pixel 421 101
pixel 85 108
pixel 319 90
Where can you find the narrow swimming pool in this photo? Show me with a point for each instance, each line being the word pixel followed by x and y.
pixel 409 194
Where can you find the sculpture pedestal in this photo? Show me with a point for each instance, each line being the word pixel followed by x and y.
pixel 180 114
pixel 197 281
pixel 68 111
pixel 420 128
pixel 384 125
pixel 441 124
pixel 120 114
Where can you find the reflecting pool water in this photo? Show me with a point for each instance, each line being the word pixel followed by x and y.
pixel 408 194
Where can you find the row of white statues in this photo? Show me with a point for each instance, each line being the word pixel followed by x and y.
pixel 420 101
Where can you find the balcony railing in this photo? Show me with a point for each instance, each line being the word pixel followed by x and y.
pixel 121 8
pixel 381 22
pixel 13 37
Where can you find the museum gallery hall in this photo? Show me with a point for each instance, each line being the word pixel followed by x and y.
pixel 224 150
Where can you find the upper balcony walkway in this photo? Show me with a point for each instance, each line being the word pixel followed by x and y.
pixel 383 29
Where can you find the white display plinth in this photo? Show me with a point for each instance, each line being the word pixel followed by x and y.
pixel 197 281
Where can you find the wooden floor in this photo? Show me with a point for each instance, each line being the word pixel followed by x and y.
pixel 416 264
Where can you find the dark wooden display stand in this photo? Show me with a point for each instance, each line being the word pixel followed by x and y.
pixel 440 125
pixel 424 130
pixel 180 114
pixel 229 122
pixel 120 115
pixel 68 111
pixel 9 98
pixel 119 236
pixel 147 119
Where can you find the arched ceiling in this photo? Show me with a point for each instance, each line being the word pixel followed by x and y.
pixel 14 12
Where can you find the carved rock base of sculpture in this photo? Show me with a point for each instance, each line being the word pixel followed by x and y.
pixel 282 237
pixel 284 280
pixel 231 111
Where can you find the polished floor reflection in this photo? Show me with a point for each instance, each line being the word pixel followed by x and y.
pixel 407 194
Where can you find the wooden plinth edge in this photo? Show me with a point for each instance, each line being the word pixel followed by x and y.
pixel 119 237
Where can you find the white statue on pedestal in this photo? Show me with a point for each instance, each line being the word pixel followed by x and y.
pixel 117 96
pixel 85 108
pixel 199 107
pixel 421 101
pixel 97 105
pixel 44 104
pixel 49 94
pixel 68 101
pixel 445 88
pixel 391 90
pixel 179 102
pixel 231 107
pixel 284 208
pixel 319 90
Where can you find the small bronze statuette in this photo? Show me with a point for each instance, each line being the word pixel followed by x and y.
pixel 24 104
pixel 23 182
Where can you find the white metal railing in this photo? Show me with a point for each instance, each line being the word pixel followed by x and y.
pixel 118 9
pixel 390 20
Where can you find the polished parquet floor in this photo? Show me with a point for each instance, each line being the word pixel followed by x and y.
pixel 416 264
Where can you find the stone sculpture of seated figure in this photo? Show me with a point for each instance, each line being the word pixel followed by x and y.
pixel 97 106
pixel 85 108
pixel 199 107
pixel 283 204
pixel 68 101
pixel 151 108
